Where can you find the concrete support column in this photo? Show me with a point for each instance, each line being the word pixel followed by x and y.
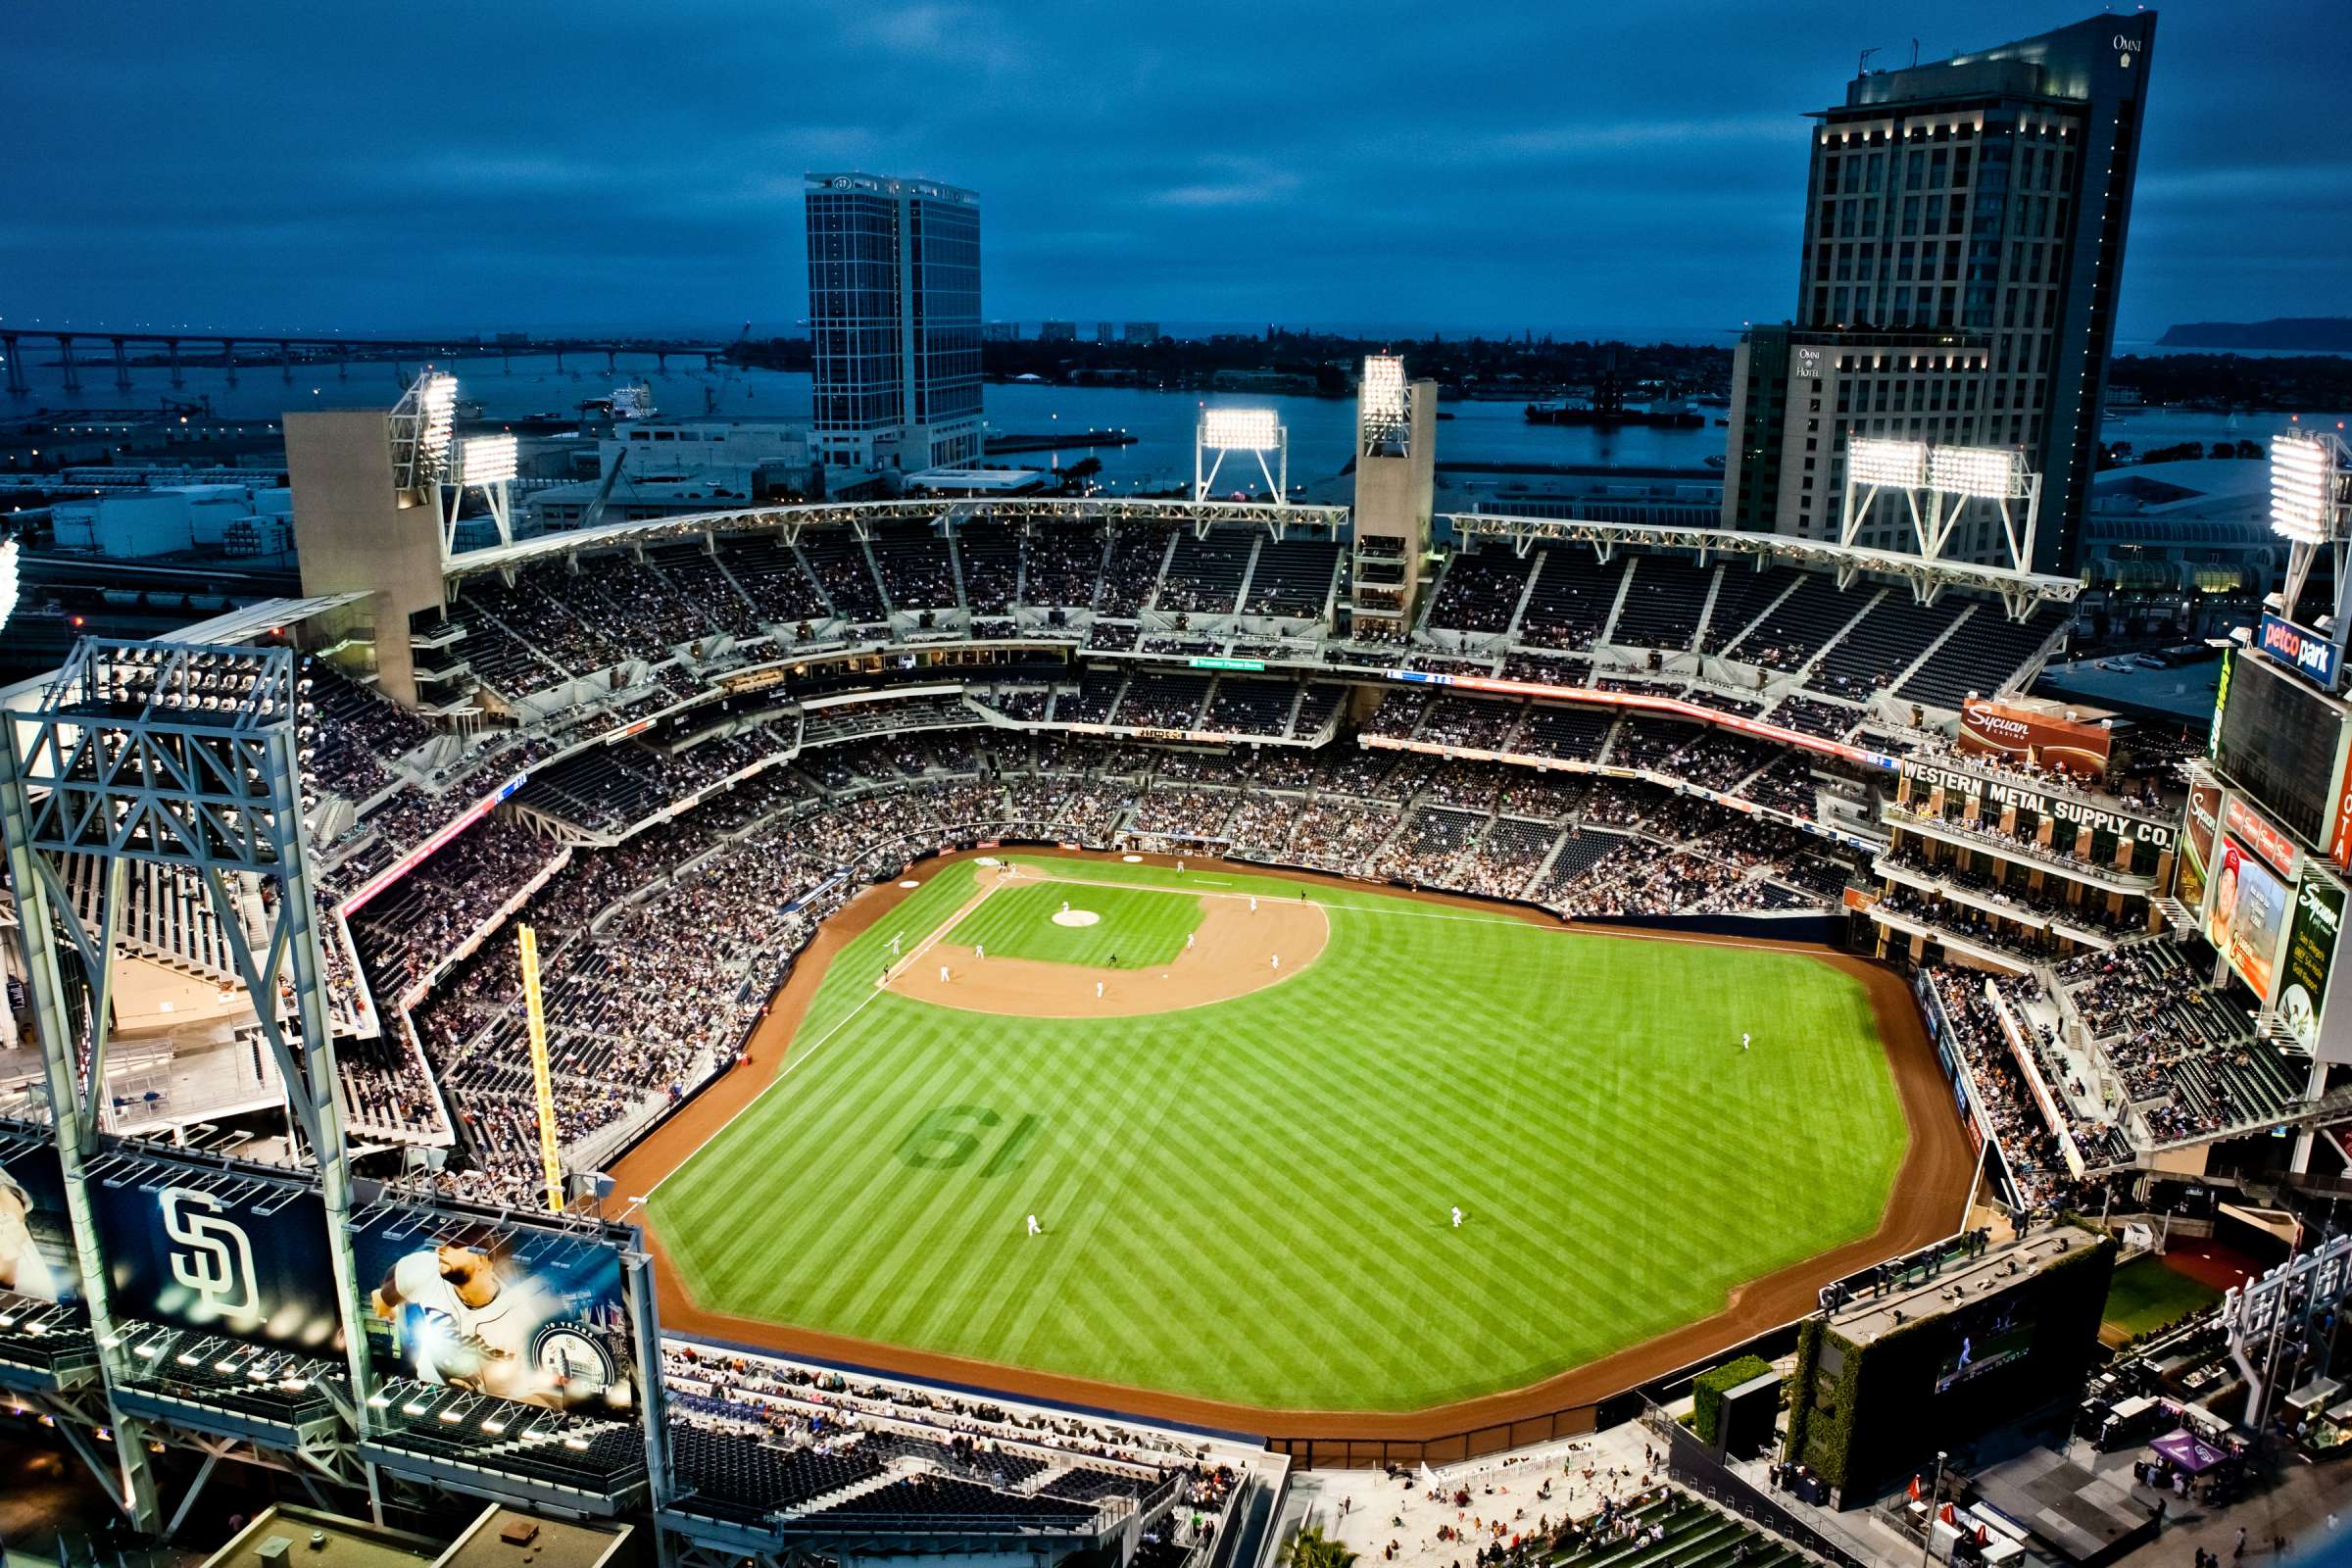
pixel 64 354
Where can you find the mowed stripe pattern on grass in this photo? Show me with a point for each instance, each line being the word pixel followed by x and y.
pixel 1248 1200
pixel 1138 928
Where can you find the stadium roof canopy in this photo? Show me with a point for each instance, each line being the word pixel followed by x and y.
pixel 2021 591
pixel 1203 515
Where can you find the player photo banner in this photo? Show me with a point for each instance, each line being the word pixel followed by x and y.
pixel 2249 915
pixel 225 1253
pixel 36 1238
pixel 511 1311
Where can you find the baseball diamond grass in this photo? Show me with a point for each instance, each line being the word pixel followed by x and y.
pixel 1248 1199
pixel 1137 929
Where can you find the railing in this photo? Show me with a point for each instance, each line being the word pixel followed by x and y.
pixel 1700 1471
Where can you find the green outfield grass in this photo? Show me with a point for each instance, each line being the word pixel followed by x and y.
pixel 1138 930
pixel 1248 1200
pixel 2149 1293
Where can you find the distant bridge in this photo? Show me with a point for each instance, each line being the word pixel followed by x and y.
pixel 179 348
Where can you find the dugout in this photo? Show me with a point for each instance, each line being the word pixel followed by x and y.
pixel 1937 1354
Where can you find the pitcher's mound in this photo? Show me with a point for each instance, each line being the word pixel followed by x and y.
pixel 1077 918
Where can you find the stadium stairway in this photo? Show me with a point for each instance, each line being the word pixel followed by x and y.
pixel 1696 1536
pixel 890 1475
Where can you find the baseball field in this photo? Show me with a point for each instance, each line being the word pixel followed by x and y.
pixel 1242 1110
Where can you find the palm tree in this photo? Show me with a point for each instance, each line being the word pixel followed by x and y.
pixel 1311 1548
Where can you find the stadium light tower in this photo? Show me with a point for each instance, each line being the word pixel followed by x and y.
pixel 487 463
pixel 2311 509
pixel 1383 411
pixel 1257 431
pixel 422 422
pixel 1928 476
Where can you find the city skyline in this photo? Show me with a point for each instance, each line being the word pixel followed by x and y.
pixel 1247 167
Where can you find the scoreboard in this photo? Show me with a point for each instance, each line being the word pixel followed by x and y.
pixel 2284 744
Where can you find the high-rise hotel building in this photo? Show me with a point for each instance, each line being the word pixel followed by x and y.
pixel 894 322
pixel 1964 239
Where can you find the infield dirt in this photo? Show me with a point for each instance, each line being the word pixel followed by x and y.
pixel 1232 952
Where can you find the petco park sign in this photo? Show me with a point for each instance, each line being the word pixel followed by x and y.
pixel 2066 808
pixel 2308 654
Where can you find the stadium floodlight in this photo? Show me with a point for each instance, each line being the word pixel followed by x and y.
pixel 489 460
pixel 1887 465
pixel 2303 467
pixel 1989 473
pixel 1380 404
pixel 1938 484
pixel 1241 429
pixel 2311 509
pixel 488 465
pixel 1257 431
pixel 439 404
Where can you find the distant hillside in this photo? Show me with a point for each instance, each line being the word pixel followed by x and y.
pixel 2311 334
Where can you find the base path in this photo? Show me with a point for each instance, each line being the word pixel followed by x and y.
pixel 1929 1195
pixel 1233 954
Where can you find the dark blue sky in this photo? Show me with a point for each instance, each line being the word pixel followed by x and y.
pixel 1465 166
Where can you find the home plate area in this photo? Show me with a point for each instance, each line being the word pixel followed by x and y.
pixel 1041 946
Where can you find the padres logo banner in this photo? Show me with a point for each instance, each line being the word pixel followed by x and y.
pixel 240 1257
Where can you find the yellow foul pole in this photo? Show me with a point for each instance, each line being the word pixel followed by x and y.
pixel 540 1080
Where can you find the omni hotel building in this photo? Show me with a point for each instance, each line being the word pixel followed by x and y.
pixel 893 322
pixel 1964 239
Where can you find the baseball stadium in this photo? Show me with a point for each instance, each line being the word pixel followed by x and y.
pixel 1010 1025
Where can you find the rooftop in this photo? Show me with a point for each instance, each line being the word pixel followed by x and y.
pixel 1867 1317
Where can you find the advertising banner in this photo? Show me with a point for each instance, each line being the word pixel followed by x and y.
pixel 2307 653
pixel 2196 862
pixel 512 1312
pixel 2252 829
pixel 2221 701
pixel 2249 915
pixel 2310 955
pixel 230 1254
pixel 2072 811
pixel 1997 728
pixel 2339 836
pixel 36 1238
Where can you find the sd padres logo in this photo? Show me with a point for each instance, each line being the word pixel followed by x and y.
pixel 213 1257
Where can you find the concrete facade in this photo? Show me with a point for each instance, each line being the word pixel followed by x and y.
pixel 355 531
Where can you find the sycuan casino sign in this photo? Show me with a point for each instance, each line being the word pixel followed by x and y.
pixel 2308 654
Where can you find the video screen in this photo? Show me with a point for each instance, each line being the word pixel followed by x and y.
pixel 1995 1334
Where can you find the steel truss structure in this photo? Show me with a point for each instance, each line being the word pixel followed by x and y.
pixel 183 756
pixel 1931 527
pixel 2283 1325
pixel 2022 591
